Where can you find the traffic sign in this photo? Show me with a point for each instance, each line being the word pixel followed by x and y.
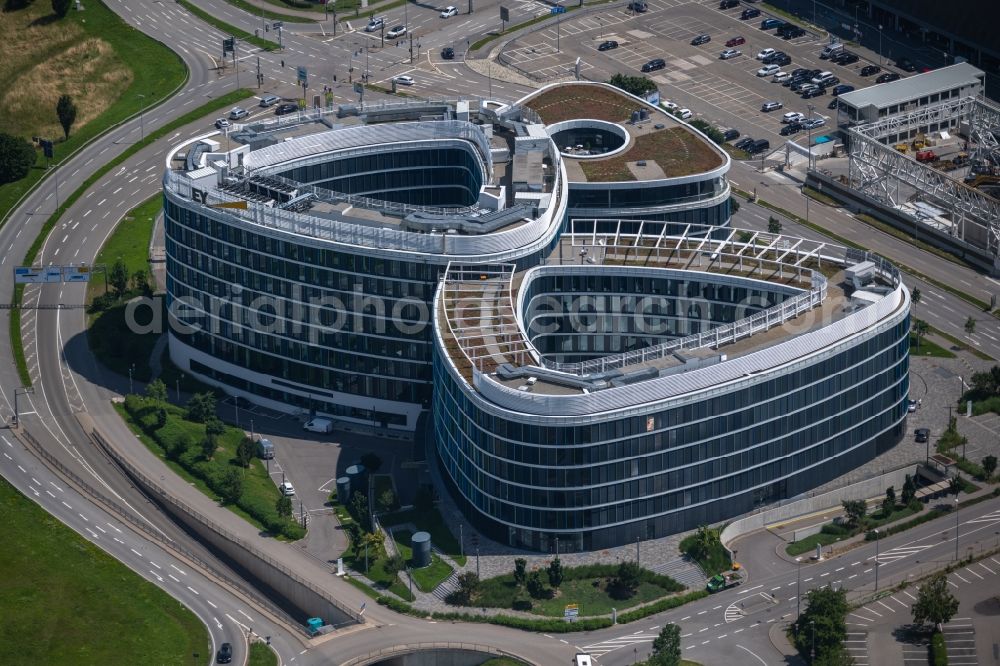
pixel 571 610
pixel 37 274
pixel 76 273
pixel 303 75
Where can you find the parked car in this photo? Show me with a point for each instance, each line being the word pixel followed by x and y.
pixel 906 65
pixel 448 53
pixel 782 60
pixel 283 109
pixel 654 64
pixel 607 45
pixel 403 80
pixel 767 70
pixel 769 58
pixel 225 654
pixel 238 112
pixel 781 76
pixel 736 41
pixel 833 104
pixel 221 123
pixel 922 434
pixel 845 58
pixel 841 89
pixel 789 31
pixel 813 92
pixel 887 77
pixel 448 12
pixel 813 123
pixel 802 85
pixel 397 31
pixel 743 143
pixel 749 13
pixel 790 128
pixel 792 117
pixel 770 106
pixel 669 106
pixel 868 70
pixel 728 4
pixel 768 24
pixel 287 489
pixel 269 100
pixel 765 53
pixel 376 23
pixel 730 134
pixel 730 53
pixel 759 146
pixel 684 114
pixel 318 425
pixel 638 6
pixel 701 39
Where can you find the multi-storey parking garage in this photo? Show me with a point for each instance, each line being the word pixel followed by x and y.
pixel 654 382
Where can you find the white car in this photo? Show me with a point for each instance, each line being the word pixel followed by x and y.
pixel 792 117
pixel 237 112
pixel 221 123
pixel 286 489
pixel 669 106
pixel 448 12
pixel 763 54
pixel 781 76
pixel 404 80
pixel 684 114
pixel 375 24
pixel 730 53
pixel 813 123
pixel 768 70
pixel 398 31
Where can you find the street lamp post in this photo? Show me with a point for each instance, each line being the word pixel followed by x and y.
pixel 876 559
pixel 956 527
pixel 131 369
pixel 879 43
pixel 798 589
pixel 812 653
pixel 21 390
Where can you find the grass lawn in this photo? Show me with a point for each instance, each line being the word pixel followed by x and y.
pixel 254 10
pixel 261 655
pixel 816 195
pixel 432 522
pixel 426 578
pixel 341 5
pixel 677 150
pixel 242 35
pixel 376 573
pixel 100 61
pixel 825 538
pixel 717 559
pixel 129 241
pixel 64 601
pixel 927 348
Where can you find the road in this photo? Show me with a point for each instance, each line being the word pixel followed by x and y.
pixel 68 382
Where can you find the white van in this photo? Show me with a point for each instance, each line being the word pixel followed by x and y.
pixel 319 425
pixel 830 49
pixel 265 449
pixel 820 78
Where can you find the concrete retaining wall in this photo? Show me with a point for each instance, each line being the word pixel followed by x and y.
pixel 863 490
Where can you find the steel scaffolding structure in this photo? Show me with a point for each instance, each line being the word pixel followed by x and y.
pixel 877 169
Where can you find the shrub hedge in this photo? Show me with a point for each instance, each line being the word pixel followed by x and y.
pixel 939 651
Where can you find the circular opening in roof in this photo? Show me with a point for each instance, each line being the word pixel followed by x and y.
pixel 588 138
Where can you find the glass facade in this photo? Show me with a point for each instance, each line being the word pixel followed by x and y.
pixel 606 480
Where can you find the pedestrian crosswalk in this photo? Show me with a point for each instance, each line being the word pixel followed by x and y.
pixel 610 645
pixel 900 552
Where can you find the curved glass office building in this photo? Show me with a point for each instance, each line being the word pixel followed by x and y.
pixel 659 382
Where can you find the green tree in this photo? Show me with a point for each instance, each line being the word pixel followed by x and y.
pixel 855 511
pixel 636 85
pixel 244 452
pixel 386 500
pixel 468 588
pixel 773 225
pixel 935 603
pixel 555 573
pixel 825 615
pixel 118 277
pixel 520 570
pixel 667 647
pixel 17 156
pixel 887 507
pixel 359 508
pixel 955 485
pixel 231 486
pixel 734 204
pixel 970 325
pixel 61 8
pixel 909 490
pixel 201 407
pixel 156 391
pixel 208 446
pixel 920 329
pixel 393 565
pixel 140 282
pixel 284 506
pixel 536 588
pixel 989 465
pixel 890 494
pixel 628 577
pixel 66 110
pixel 372 462
pixel 161 418
pixel 214 427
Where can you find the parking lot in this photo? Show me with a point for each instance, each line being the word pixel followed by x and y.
pixel 726 93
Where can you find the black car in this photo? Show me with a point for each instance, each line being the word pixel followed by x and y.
pixel 790 128
pixel 608 45
pixel 225 654
pixel 922 434
pixel 845 58
pixel 448 53
pixel 743 143
pixel 654 64
pixel 888 76
pixel 749 13
pixel 730 134
pixel 789 31
pixel 758 146
pixel 868 70
pixel 782 60
pixel 814 92
pixel 638 6
pixel 771 57
pixel 283 109
pixel 701 39
pixel 906 65
pixel 729 4
pixel 841 89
